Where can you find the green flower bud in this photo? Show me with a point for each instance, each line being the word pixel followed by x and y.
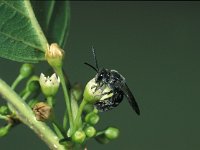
pixel 94 93
pixel 4 130
pixel 112 133
pixel 88 108
pixel 92 118
pixel 34 86
pixel 90 131
pixel 26 70
pixel 42 111
pixel 4 110
pixel 49 85
pixel 54 55
pixel 79 137
pixel 107 135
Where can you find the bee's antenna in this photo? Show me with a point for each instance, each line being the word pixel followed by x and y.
pixel 91 66
pixel 95 59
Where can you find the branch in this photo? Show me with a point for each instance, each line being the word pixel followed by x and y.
pixel 25 115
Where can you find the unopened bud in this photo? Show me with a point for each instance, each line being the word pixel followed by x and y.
pixel 4 130
pixel 92 118
pixel 26 70
pixel 54 55
pixel 4 110
pixel 107 135
pixel 90 131
pixel 79 137
pixel 88 108
pixel 42 111
pixel 33 84
pixel 112 133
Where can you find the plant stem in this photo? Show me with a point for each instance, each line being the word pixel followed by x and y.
pixel 26 95
pixel 66 95
pixel 78 117
pixel 16 82
pixel 65 121
pixel 74 106
pixel 3 117
pixel 51 101
pixel 25 115
pixel 57 129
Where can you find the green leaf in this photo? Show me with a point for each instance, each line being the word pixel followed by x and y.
pixel 53 16
pixel 21 38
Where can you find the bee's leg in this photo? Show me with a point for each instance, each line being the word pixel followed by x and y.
pixel 107 93
pixel 99 85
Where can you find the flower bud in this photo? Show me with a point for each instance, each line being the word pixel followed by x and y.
pixel 79 136
pixel 33 84
pixel 54 55
pixel 26 70
pixel 90 131
pixel 107 135
pixel 42 111
pixel 49 85
pixel 112 133
pixel 92 118
pixel 94 93
pixel 4 110
pixel 4 130
pixel 88 108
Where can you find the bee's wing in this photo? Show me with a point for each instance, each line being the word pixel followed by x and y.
pixel 130 97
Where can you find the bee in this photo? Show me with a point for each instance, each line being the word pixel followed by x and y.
pixel 117 83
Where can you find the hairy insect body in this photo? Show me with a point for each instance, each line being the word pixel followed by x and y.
pixel 117 88
pixel 112 98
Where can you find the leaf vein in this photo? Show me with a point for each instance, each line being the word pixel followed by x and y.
pixel 13 38
pixel 19 11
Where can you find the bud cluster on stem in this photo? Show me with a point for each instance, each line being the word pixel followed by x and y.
pixel 54 55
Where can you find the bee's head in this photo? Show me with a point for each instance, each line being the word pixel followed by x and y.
pixel 102 75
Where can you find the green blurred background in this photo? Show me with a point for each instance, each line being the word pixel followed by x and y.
pixel 156 46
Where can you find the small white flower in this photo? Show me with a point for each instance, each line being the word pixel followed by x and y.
pixel 94 93
pixel 49 85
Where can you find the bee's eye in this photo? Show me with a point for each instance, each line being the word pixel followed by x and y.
pixel 100 76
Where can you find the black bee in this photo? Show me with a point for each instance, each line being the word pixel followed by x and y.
pixel 116 82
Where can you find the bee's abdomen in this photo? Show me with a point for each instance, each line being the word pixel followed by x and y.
pixel 110 103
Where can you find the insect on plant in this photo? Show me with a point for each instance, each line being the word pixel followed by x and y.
pixel 35 104
pixel 117 83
